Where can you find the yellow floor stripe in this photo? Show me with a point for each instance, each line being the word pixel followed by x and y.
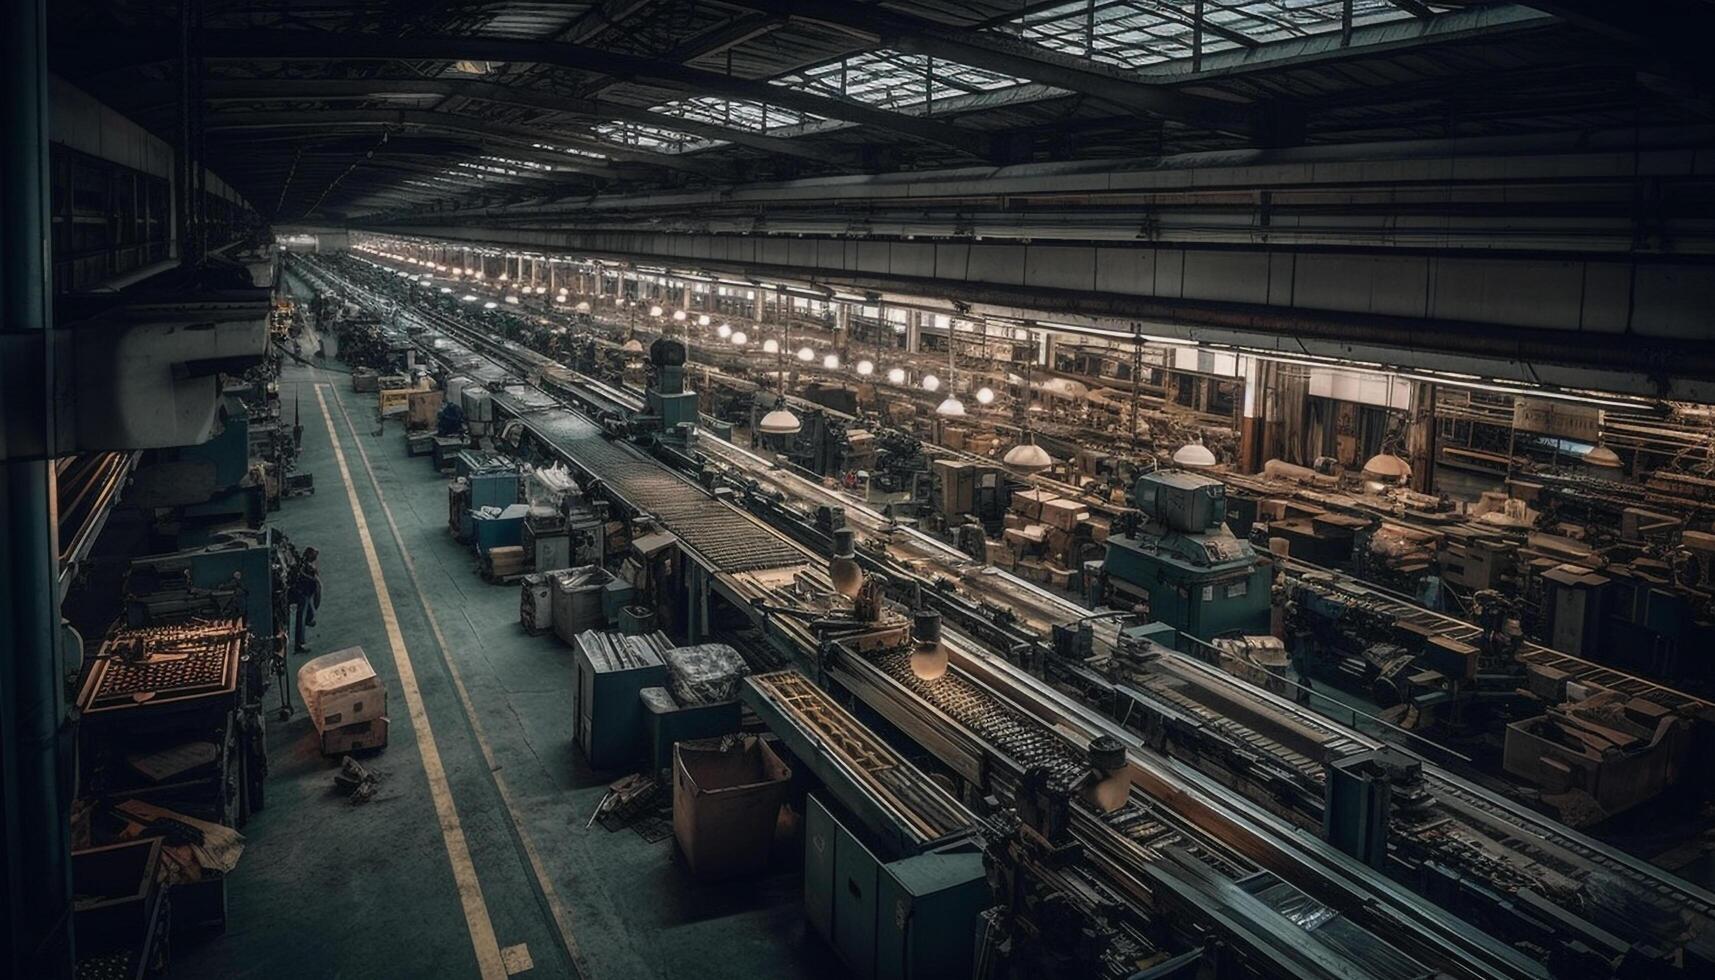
pixel 488 958
pixel 562 916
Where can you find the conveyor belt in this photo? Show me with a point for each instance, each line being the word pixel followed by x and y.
pixel 729 539
pixel 1327 581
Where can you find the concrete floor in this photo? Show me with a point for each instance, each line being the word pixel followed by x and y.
pixel 328 889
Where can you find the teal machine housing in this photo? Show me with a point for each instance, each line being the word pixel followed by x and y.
pixel 1183 562
pixel 670 405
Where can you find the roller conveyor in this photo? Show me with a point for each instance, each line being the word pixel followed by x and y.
pixel 1505 846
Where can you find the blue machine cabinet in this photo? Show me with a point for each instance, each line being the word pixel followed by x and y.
pixel 912 917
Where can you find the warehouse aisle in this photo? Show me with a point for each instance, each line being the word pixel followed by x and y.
pixel 378 884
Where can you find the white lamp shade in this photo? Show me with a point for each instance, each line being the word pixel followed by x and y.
pixel 771 346
pixel 1388 468
pixel 633 346
pixel 866 368
pixel 952 408
pixel 896 375
pixel 831 361
pixel 930 382
pixel 723 331
pixel 806 354
pixel 985 396
pixel 780 422
pixel 679 316
pixel 1604 458
pixel 702 319
pixel 1028 457
pixel 655 311
pixel 1194 456
pixel 739 339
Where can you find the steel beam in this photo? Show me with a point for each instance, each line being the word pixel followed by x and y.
pixel 151 96
pixel 105 53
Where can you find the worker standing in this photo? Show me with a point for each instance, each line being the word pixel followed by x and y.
pixel 306 596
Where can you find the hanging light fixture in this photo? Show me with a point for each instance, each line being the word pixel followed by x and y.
pixel 678 316
pixel 771 346
pixel 1193 456
pixel 931 383
pixel 831 361
pixel 896 375
pixel 491 304
pixel 806 355
pixel 703 321
pixel 843 568
pixel 866 368
pixel 928 655
pixel 779 421
pixel 1602 457
pixel 1385 467
pixel 1027 457
pixel 723 331
pixel 985 396
pixel 739 339
pixel 655 311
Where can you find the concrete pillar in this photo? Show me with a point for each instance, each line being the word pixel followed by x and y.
pixel 913 331
pixel 35 783
pixel 1420 432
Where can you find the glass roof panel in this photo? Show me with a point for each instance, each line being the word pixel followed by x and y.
pixel 650 137
pixel 891 79
pixel 733 113
pixel 1132 33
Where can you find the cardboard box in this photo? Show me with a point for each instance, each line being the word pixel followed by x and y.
pixel 726 803
pixel 1063 513
pixel 341 688
pixel 1029 503
pixel 363 735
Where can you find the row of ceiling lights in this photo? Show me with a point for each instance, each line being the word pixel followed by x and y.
pixel 781 421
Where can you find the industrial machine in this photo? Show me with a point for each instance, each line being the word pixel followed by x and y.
pixel 670 407
pixel 1182 564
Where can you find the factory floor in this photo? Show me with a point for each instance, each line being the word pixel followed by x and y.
pixel 473 858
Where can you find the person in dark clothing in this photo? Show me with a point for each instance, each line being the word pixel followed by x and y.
pixel 306 595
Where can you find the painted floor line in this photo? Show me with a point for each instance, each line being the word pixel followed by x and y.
pixel 488 958
pixel 556 908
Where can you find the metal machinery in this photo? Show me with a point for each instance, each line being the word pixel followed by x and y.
pixel 894 876
pixel 171 725
pixel 670 407
pixel 1183 565
pixel 1212 849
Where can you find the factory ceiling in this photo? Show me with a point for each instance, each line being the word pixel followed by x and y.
pixel 387 109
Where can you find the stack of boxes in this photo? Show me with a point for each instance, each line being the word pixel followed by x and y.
pixel 345 701
pixel 1045 537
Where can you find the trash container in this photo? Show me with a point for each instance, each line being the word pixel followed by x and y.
pixel 726 800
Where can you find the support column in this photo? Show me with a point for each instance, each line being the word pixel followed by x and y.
pixel 35 757
pixel 913 331
pixel 1250 418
